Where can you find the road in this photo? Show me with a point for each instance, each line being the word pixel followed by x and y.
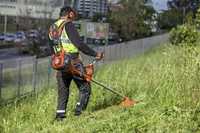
pixel 10 53
pixel 10 58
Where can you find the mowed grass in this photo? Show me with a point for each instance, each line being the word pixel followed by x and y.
pixel 165 80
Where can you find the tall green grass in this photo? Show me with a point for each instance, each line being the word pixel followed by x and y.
pixel 165 80
pixel 21 80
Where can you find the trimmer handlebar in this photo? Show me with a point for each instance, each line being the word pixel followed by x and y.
pixel 94 61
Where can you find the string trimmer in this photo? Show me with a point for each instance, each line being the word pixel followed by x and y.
pixel 87 75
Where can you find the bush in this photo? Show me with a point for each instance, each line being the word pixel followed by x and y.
pixel 197 19
pixel 184 34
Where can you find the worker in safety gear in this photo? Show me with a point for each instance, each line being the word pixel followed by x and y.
pixel 72 44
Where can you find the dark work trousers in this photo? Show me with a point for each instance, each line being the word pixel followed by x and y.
pixel 63 81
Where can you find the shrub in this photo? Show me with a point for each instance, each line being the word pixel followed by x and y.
pixel 197 19
pixel 184 34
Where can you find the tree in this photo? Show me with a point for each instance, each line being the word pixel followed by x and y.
pixel 98 17
pixel 184 7
pixel 169 19
pixel 180 11
pixel 132 20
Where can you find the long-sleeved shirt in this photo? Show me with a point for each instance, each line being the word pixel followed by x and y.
pixel 74 37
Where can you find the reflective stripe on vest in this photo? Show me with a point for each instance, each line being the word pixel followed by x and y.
pixel 67 45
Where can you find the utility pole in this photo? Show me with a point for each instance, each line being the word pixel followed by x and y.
pixel 5 23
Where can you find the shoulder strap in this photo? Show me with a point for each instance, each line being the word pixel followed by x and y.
pixel 61 26
pixel 55 34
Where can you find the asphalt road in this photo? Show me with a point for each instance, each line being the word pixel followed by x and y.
pixel 10 53
pixel 10 58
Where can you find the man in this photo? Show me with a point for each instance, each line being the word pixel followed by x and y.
pixel 71 43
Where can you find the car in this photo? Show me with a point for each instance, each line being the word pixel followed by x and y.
pixel 9 37
pixel 97 41
pixel 2 36
pixel 20 36
pixel 114 38
pixel 33 33
pixel 20 33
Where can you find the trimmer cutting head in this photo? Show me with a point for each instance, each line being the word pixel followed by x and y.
pixel 127 102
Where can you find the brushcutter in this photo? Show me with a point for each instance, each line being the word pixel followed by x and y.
pixel 87 75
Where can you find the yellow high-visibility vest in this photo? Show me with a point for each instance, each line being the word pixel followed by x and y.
pixel 66 43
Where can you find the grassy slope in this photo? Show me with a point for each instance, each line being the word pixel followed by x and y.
pixel 165 79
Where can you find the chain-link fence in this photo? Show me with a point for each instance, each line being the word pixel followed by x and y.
pixel 26 76
pixel 22 77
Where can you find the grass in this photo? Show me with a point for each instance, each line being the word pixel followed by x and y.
pixel 12 76
pixel 166 80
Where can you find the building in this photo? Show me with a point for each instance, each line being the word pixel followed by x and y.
pixel 88 8
pixel 26 14
pixel 32 8
pixel 149 3
pixel 113 1
pixel 114 7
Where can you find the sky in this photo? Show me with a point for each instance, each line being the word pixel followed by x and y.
pixel 160 4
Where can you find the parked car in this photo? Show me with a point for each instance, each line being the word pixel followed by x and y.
pixel 33 33
pixel 9 37
pixel 99 41
pixel 20 33
pixel 20 36
pixel 114 38
pixel 2 36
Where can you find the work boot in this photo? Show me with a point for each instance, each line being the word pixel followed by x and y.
pixel 86 103
pixel 78 109
pixel 60 117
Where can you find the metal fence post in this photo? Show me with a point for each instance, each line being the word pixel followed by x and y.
pixel 34 74
pixel 120 51
pixel 109 54
pixel 49 73
pixel 143 47
pixel 1 80
pixel 115 52
pixel 104 50
pixel 19 78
